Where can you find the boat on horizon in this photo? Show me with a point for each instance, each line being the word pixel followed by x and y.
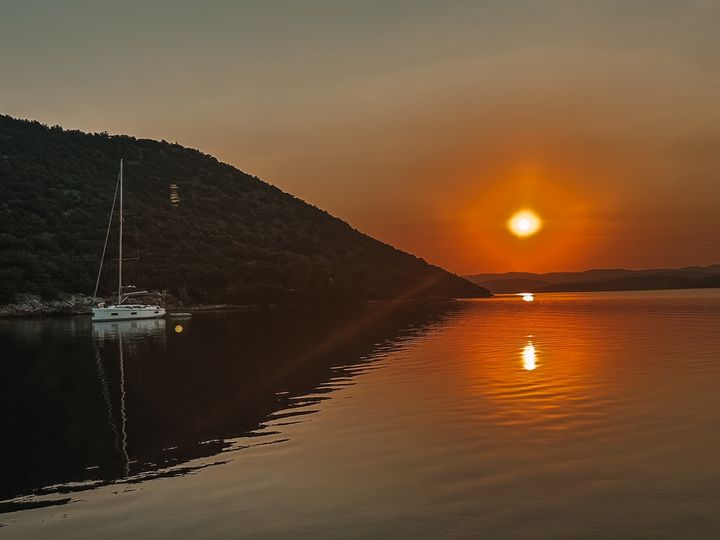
pixel 120 310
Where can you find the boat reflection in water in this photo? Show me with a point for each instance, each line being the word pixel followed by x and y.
pixel 137 329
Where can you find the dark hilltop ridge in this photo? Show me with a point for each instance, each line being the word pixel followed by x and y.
pixel 689 277
pixel 201 229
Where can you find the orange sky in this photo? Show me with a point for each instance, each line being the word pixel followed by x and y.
pixel 424 124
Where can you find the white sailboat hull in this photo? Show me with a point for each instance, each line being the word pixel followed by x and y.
pixel 127 312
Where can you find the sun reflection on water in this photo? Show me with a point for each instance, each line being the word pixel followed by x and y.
pixel 529 357
pixel 537 370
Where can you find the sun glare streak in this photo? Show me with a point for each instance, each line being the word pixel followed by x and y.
pixel 524 223
pixel 527 297
pixel 528 357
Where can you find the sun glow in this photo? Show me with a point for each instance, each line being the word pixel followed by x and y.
pixel 524 223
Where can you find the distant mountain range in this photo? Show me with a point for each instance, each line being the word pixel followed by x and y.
pixel 203 230
pixel 690 277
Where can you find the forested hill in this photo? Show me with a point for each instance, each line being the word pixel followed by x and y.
pixel 202 229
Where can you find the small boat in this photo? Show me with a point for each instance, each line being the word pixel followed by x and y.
pixel 122 310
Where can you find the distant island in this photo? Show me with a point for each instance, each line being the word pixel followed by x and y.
pixel 690 277
pixel 202 230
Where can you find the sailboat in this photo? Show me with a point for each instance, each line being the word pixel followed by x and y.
pixel 122 310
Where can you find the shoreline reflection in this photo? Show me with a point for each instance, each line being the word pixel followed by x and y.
pixel 151 397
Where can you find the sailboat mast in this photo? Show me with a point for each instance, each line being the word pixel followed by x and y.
pixel 120 255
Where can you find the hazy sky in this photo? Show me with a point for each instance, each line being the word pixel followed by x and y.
pixel 424 124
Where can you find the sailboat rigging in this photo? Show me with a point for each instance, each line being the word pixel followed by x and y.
pixel 121 310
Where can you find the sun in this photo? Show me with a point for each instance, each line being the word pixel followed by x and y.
pixel 524 223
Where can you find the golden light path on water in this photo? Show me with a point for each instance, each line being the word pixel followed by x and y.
pixel 528 353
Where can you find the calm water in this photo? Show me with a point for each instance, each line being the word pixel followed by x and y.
pixel 575 416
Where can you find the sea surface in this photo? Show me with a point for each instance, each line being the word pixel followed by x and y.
pixel 593 415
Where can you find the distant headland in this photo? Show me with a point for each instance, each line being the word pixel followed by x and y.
pixel 689 277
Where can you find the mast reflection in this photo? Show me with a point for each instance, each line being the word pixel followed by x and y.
pixel 121 332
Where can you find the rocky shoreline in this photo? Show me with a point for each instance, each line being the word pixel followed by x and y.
pixel 66 304
pixel 31 305
pixel 28 305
